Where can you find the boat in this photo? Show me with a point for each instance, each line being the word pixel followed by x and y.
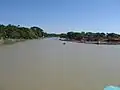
pixel 64 43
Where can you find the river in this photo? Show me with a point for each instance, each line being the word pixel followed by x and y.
pixel 49 65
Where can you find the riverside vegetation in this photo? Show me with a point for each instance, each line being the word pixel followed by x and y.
pixel 11 33
pixel 18 32
pixel 92 38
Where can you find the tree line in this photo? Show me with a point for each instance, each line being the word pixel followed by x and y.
pixel 18 32
pixel 90 36
pixel 51 35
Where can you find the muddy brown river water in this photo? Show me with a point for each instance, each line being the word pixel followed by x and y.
pixel 49 65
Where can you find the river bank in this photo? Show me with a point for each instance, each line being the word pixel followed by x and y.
pixel 10 41
pixel 93 42
pixel 102 43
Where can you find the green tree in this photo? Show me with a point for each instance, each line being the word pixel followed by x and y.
pixel 18 32
pixel 63 35
pixel 71 35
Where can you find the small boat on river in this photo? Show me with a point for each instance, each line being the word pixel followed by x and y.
pixel 64 43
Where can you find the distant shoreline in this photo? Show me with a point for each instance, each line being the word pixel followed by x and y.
pixel 92 42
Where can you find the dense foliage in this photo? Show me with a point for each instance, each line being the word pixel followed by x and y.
pixel 18 32
pixel 90 36
pixel 51 35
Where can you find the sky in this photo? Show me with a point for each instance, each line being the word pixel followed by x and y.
pixel 63 15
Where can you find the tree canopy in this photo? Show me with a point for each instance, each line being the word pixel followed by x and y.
pixel 90 36
pixel 18 32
